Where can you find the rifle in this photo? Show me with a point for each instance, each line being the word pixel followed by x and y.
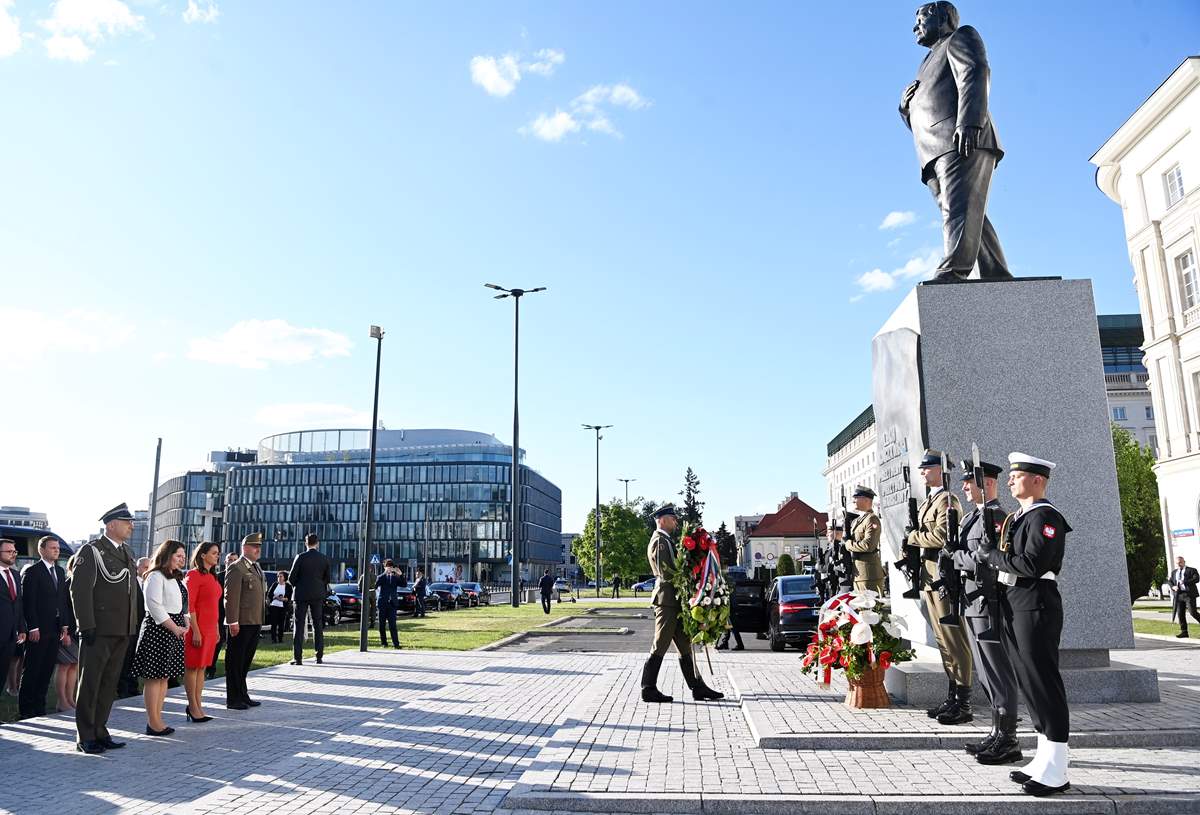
pixel 909 563
pixel 845 558
pixel 985 575
pixel 949 583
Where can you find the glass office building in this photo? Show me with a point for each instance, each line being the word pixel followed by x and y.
pixel 442 497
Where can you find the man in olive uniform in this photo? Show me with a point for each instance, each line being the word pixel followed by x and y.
pixel 104 595
pixel 245 600
pixel 982 617
pixel 1033 541
pixel 863 543
pixel 930 536
pixel 667 626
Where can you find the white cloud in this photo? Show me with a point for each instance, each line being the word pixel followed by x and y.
pixel 10 30
pixel 624 96
pixel 301 415
pixel 257 343
pixel 75 331
pixel 195 13
pixel 497 76
pixel 76 25
pixel 587 110
pixel 552 127
pixel 896 219
pixel 918 266
pixel 875 280
pixel 546 62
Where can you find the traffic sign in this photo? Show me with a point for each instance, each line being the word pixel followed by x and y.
pixel 375 559
pixel 349 573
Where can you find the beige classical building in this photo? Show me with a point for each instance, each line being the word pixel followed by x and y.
pixel 1151 167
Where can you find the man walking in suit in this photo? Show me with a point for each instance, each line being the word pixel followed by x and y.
pixel 546 588
pixel 12 620
pixel 388 585
pixel 946 108
pixel 104 594
pixel 309 579
pixel 245 602
pixel 47 606
pixel 1183 590
pixel 420 587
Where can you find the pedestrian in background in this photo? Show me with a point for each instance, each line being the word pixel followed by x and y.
pixel 420 587
pixel 309 579
pixel 616 586
pixel 204 595
pixel 1183 588
pixel 546 584
pixel 47 608
pixel 160 647
pixel 280 602
pixel 388 585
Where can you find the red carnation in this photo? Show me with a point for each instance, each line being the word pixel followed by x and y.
pixel 885 659
pixel 689 543
pixel 845 660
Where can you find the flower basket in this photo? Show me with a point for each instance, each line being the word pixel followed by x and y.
pixel 867 691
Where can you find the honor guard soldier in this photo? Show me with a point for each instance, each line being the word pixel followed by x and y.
pixel 1029 558
pixel 104 596
pixel 981 615
pixel 930 536
pixel 245 590
pixel 667 626
pixel 863 543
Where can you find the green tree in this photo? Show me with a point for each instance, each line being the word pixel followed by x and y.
pixel 785 565
pixel 1140 512
pixel 693 507
pixel 726 545
pixel 623 540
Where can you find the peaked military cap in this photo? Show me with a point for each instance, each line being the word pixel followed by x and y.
pixel 864 492
pixel 118 513
pixel 933 458
pixel 1030 464
pixel 665 509
pixel 253 539
pixel 989 470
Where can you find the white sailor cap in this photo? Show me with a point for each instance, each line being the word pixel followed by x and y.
pixel 1030 464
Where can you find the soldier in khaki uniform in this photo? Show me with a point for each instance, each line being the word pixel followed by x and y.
pixel 245 601
pixel 667 626
pixel 863 543
pixel 104 596
pixel 930 536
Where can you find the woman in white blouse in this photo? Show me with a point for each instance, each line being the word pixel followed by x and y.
pixel 159 654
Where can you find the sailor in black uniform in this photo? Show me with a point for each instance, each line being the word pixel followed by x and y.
pixel 1029 558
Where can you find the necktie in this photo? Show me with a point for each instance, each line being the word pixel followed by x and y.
pixel 12 587
pixel 53 577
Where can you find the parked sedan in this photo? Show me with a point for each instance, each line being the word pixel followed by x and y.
pixel 451 595
pixel 792 607
pixel 478 595
pixel 333 604
pixel 645 585
pixel 407 596
pixel 351 600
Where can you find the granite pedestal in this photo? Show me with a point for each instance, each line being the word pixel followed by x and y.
pixel 1013 365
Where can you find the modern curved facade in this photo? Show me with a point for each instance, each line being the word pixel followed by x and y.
pixel 441 496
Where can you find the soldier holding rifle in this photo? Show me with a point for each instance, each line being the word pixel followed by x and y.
pixel 863 543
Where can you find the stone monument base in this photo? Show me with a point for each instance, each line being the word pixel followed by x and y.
pixel 923 684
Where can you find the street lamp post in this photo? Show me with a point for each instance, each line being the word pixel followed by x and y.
pixel 515 512
pixel 597 428
pixel 627 480
pixel 363 622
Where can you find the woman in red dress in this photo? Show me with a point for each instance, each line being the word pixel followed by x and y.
pixel 204 593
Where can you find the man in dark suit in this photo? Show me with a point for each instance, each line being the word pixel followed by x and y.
pixel 309 579
pixel 1183 588
pixel 47 606
pixel 946 108
pixel 211 671
pixel 546 584
pixel 388 585
pixel 12 620
pixel 420 588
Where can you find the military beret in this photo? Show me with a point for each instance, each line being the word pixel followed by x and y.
pixel 253 539
pixel 864 492
pixel 664 510
pixel 1030 464
pixel 118 513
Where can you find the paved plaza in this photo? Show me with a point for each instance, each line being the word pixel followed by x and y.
pixel 516 729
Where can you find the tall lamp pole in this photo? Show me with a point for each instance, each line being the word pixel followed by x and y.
pixel 515 512
pixel 627 480
pixel 363 621
pixel 597 428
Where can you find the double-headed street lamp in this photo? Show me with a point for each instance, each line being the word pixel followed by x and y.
pixel 363 622
pixel 627 480
pixel 515 512
pixel 597 428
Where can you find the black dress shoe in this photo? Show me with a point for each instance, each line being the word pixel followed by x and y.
pixel 1039 789
pixel 1018 777
pixel 237 706
pixel 296 662
pixel 251 702
pixel 108 744
pixel 166 731
pixel 319 660
pixel 1182 635
pixel 92 748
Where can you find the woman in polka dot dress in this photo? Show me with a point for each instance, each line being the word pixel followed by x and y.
pixel 159 654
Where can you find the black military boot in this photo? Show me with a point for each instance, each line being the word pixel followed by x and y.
pixel 650 681
pixel 1005 748
pixel 700 691
pixel 981 746
pixel 933 713
pixel 960 711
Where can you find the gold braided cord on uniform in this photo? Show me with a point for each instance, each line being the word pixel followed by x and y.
pixel 1005 529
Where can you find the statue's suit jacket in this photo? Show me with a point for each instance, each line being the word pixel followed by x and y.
pixel 953 93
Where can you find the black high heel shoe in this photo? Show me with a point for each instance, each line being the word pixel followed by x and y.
pixel 188 712
pixel 166 731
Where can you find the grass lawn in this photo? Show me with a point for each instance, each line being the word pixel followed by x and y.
pixel 460 630
pixel 1155 627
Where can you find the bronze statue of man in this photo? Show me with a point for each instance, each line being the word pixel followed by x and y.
pixel 946 108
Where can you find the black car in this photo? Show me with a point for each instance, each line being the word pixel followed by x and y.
pixel 333 604
pixel 792 607
pixel 451 595
pixel 747 606
pixel 406 597
pixel 351 600
pixel 478 595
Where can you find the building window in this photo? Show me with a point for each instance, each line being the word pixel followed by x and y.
pixel 1186 265
pixel 1118 414
pixel 1173 184
pixel 1149 413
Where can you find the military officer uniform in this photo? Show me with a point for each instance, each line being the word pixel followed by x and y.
pixel 104 595
pixel 981 615
pixel 930 536
pixel 668 628
pixel 863 545
pixel 1029 559
pixel 245 601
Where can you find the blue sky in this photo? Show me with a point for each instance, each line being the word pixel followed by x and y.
pixel 203 206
